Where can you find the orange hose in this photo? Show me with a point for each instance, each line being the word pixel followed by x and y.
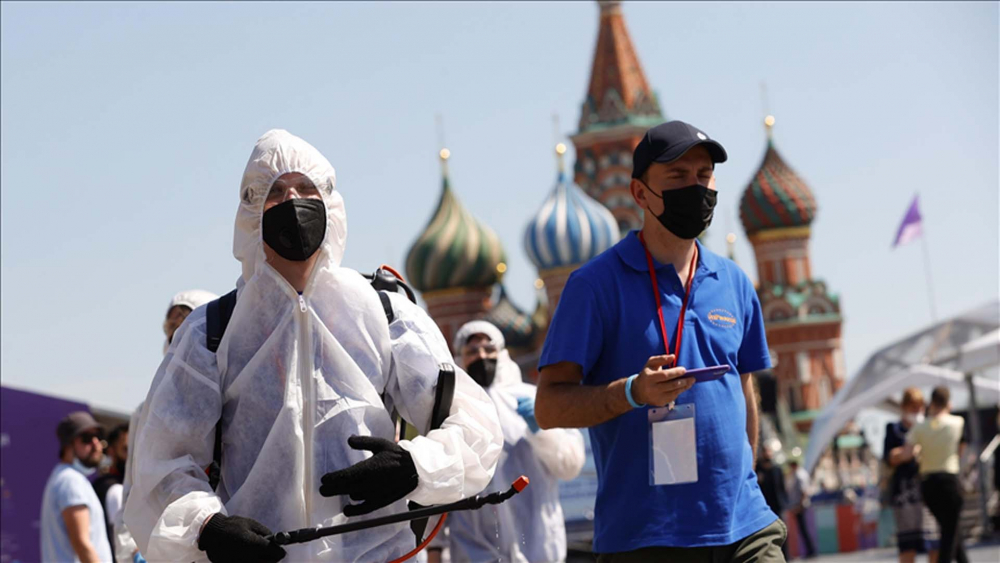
pixel 425 542
pixel 393 271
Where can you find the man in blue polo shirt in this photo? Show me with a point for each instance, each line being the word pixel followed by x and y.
pixel 675 458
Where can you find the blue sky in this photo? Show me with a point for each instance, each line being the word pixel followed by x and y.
pixel 125 129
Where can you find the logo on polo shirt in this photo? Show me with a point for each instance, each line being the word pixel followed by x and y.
pixel 722 318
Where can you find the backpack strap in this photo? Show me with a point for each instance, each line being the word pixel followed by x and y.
pixel 217 319
pixel 386 306
pixel 444 393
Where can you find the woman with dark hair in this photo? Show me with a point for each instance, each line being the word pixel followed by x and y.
pixel 916 530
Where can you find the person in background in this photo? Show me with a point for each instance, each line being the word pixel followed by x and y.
pixel 178 310
pixel 122 542
pixel 772 484
pixel 996 480
pixel 180 307
pixel 109 486
pixel 937 444
pixel 533 528
pixel 72 526
pixel 798 502
pixel 916 531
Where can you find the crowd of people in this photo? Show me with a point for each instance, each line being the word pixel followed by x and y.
pixel 926 477
pixel 285 404
pixel 920 476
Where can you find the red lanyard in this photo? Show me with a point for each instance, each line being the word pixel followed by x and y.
pixel 659 305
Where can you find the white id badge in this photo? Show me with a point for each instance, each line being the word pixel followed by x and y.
pixel 673 452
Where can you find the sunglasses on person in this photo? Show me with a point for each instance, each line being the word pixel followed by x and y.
pixel 88 437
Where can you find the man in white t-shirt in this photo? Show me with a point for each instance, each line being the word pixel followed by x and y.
pixel 72 526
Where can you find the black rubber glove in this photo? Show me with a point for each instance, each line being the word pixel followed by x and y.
pixel 234 539
pixel 377 481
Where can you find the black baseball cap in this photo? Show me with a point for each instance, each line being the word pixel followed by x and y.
pixel 669 141
pixel 74 424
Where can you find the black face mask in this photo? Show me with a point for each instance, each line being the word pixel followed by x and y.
pixel 483 370
pixel 295 228
pixel 120 467
pixel 687 212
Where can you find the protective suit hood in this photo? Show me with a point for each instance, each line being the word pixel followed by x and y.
pixel 508 372
pixel 477 327
pixel 276 153
pixel 192 299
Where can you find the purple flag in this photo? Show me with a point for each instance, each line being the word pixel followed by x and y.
pixel 910 228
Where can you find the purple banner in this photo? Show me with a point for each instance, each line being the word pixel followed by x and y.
pixel 30 450
pixel 912 225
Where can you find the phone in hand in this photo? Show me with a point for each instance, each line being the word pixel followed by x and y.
pixel 707 374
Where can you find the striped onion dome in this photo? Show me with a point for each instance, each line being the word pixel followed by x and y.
pixel 570 228
pixel 518 327
pixel 455 250
pixel 776 197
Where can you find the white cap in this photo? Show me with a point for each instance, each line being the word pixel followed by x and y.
pixel 478 327
pixel 192 299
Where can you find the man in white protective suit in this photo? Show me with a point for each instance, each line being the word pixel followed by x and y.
pixel 301 383
pixel 530 527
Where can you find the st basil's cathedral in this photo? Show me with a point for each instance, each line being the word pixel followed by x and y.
pixel 457 262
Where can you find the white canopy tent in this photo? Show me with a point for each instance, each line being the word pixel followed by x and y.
pixel 941 354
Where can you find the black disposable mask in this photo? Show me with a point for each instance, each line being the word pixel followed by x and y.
pixel 295 228
pixel 483 371
pixel 687 212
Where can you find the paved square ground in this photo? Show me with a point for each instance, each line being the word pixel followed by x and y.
pixel 977 554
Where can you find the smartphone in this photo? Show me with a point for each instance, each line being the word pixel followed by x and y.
pixel 707 374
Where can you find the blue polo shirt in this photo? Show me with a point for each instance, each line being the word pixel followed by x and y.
pixel 606 322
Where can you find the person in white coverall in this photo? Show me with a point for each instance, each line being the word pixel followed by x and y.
pixel 178 309
pixel 302 384
pixel 529 527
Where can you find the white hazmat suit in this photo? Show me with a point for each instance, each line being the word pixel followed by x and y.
pixel 293 378
pixel 530 526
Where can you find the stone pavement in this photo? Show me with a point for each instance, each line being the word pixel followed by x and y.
pixel 982 553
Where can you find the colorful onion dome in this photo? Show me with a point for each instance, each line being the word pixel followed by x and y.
pixel 517 326
pixel 776 197
pixel 570 228
pixel 618 92
pixel 455 250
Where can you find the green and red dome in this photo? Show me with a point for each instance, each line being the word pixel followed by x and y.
pixel 455 250
pixel 776 197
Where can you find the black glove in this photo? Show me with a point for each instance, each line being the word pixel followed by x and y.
pixel 377 481
pixel 234 539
